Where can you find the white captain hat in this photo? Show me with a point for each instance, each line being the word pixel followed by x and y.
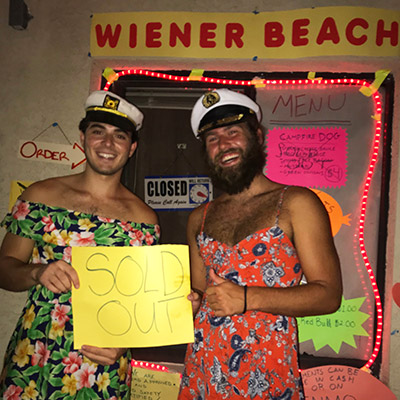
pixel 222 107
pixel 107 107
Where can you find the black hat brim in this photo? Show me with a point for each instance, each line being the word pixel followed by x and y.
pixel 222 116
pixel 112 119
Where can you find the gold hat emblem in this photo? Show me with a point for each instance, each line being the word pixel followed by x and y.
pixel 111 103
pixel 210 99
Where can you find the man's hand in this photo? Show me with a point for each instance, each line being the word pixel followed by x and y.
pixel 103 356
pixel 57 276
pixel 195 298
pixel 224 297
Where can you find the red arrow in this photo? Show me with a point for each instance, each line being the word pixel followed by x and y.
pixel 201 194
pixel 76 145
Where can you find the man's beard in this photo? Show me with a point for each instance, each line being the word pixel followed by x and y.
pixel 233 180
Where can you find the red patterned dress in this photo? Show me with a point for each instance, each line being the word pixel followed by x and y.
pixel 251 355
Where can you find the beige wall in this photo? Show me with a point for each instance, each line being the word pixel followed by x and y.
pixel 46 74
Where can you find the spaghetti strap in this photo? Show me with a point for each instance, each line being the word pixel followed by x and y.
pixel 278 211
pixel 204 217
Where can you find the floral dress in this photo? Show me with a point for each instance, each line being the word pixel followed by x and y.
pixel 40 362
pixel 251 355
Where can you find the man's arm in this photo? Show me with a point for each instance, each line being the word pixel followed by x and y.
pixel 197 269
pixel 17 274
pixel 319 260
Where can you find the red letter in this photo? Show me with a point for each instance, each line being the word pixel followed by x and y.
pixel 288 103
pixel 108 35
pixel 357 41
pixel 234 33
pixel 299 31
pixel 393 33
pixel 152 35
pixel 328 31
pixel 132 36
pixel 273 34
pixel 63 156
pixel 205 34
pixel 298 105
pixel 22 149
pixel 184 36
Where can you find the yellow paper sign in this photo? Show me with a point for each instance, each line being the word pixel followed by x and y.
pixel 307 32
pixel 16 189
pixel 154 385
pixel 132 296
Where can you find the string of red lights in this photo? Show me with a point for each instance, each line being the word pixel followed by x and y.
pixel 361 226
pixel 372 163
pixel 220 81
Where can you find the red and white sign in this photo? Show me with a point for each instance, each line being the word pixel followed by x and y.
pixel 52 152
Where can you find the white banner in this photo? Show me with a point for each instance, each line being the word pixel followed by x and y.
pixel 52 152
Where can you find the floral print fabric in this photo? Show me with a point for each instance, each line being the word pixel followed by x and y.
pixel 40 361
pixel 251 355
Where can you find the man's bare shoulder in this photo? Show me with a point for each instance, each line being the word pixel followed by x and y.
pixel 197 214
pixel 300 193
pixel 301 201
pixel 47 190
pixel 195 219
pixel 142 212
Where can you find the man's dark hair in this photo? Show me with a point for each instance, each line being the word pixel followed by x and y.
pixel 85 122
pixel 253 125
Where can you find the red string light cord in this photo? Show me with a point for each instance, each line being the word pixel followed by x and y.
pixel 374 157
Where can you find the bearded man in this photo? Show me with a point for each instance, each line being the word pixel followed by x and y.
pixel 249 249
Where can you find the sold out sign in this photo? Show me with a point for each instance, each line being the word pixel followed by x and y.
pixel 51 152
